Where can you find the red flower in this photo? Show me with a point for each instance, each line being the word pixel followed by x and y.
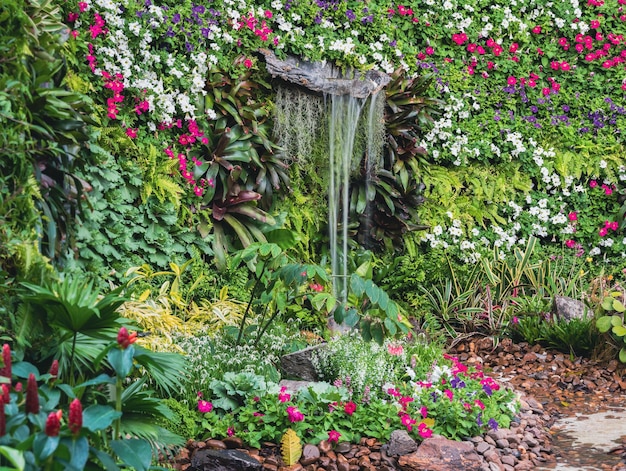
pixel 333 436
pixel 6 360
pixel 459 38
pixel 53 423
pixel 54 368
pixel 511 80
pixel 349 408
pixel 514 47
pixel 573 216
pixel 76 416
pixel 536 29
pixel 124 339
pixel 570 243
pixel 5 394
pixel 32 395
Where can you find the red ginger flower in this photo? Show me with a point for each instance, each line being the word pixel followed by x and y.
pixel 53 423
pixel 76 416
pixel 32 395
pixel 6 359
pixel 54 369
pixel 124 339
pixel 5 394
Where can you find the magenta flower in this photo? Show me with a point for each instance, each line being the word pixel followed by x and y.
pixel 408 422
pixel 449 394
pixel 333 436
pixel 349 408
pixel 204 406
pixel 284 396
pixel 294 414
pixel 572 216
pixel 424 431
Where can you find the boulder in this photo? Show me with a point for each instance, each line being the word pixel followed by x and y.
pixel 569 308
pixel 400 443
pixel 324 77
pixel 223 460
pixel 299 365
pixel 441 454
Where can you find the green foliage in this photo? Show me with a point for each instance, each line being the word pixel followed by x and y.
pixel 108 425
pixel 43 127
pixel 229 393
pixel 611 319
pixel 119 231
pixel 571 336
pixel 358 365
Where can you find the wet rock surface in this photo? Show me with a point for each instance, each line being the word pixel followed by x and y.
pixel 550 385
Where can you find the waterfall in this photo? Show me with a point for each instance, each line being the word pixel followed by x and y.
pixel 343 123
pixel 353 128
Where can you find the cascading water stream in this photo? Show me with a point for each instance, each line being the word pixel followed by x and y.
pixel 344 118
pixel 343 123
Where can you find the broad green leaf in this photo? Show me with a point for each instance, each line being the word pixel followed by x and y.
pixel 378 333
pixel 98 417
pixel 121 360
pixel 44 446
pixel 352 317
pixel 603 323
pixel 618 306
pixel 619 330
pixel 15 457
pixel 622 355
pixel 616 320
pixel 79 451
pixel 106 460
pixel 135 453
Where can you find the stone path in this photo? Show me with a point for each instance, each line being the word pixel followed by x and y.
pixel 586 400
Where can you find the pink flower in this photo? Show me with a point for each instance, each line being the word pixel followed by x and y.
pixel 424 431
pixel 515 320
pixel 602 232
pixel 424 411
pixel 593 184
pixel 268 14
pixel 405 401
pixel 514 47
pixel 247 63
pixel 333 436
pixel 349 408
pixel 408 422
pixel 294 414
pixel 536 29
pixel 204 406
pixel 607 189
pixel 459 38
pixel 395 350
pixel 511 80
pixel 570 243
pixel 572 216
pixel 545 91
pixel 284 396
pixel 479 403
pixel 613 226
pixel 230 432
pixel 595 24
pixel 316 287
pixel 430 51
pixel 132 133
pixel 449 394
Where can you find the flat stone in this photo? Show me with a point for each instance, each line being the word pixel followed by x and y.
pixel 441 454
pixel 223 460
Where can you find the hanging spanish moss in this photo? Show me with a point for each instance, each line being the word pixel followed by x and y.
pixel 298 122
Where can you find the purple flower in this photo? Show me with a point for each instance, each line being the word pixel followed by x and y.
pixel 493 424
pixel 367 19
pixel 565 108
pixel 198 9
pixel 350 14
pixel 176 18
pixel 479 420
pixel 534 109
pixel 487 390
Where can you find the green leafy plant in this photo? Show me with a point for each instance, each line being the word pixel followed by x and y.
pixel 104 430
pixel 612 319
